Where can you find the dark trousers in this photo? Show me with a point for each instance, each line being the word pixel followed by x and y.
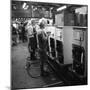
pixel 32 54
pixel 43 59
pixel 32 46
pixel 23 37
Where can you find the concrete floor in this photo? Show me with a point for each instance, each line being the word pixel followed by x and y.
pixel 20 78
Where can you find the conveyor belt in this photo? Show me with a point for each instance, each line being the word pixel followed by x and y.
pixel 68 78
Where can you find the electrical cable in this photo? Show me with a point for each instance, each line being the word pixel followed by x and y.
pixel 29 64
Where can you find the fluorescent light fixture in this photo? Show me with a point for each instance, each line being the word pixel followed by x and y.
pixel 35 9
pixel 24 5
pixel 14 7
pixel 61 8
pixel 51 8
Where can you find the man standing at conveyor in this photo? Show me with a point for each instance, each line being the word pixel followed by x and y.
pixel 42 39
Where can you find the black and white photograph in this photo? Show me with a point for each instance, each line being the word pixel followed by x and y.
pixel 49 44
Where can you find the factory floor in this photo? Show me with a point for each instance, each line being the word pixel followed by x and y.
pixel 20 77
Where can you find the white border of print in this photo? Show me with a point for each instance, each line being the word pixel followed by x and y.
pixel 5 44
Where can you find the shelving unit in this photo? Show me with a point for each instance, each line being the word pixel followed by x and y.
pixel 80 42
pixel 80 27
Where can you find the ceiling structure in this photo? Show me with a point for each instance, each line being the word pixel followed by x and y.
pixel 45 5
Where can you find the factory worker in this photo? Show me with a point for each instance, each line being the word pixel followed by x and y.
pixel 42 38
pixel 24 37
pixel 15 32
pixel 32 39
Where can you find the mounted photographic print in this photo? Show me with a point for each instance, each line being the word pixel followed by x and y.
pixel 48 44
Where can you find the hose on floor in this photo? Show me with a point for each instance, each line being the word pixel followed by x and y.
pixel 29 67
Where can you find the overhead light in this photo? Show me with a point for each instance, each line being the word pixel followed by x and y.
pixel 14 7
pixel 51 8
pixel 24 5
pixel 35 9
pixel 61 8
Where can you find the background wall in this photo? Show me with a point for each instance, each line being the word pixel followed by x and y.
pixel 59 19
